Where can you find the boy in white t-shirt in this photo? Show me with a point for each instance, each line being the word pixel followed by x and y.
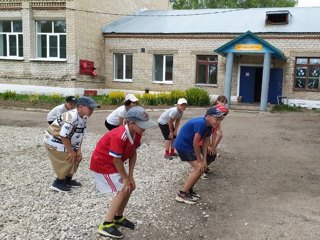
pixel 116 118
pixel 169 123
pixel 69 104
pixel 63 141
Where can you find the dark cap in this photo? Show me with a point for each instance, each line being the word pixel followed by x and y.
pixel 87 101
pixel 71 99
pixel 140 117
pixel 213 111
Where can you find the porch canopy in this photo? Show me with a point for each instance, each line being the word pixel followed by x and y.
pixel 250 44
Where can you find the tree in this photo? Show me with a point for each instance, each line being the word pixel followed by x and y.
pixel 200 4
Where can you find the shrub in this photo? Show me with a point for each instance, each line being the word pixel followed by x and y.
pixel 286 108
pixel 149 99
pixel 164 99
pixel 176 94
pixel 34 98
pixel 9 95
pixel 116 98
pixel 56 98
pixel 197 97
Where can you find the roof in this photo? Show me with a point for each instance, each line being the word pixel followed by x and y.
pixel 301 20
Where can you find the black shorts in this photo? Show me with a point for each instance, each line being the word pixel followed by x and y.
pixel 165 131
pixel 187 156
pixel 210 158
pixel 109 126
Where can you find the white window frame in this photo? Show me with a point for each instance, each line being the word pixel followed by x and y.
pixel 124 58
pixel 48 35
pixel 16 34
pixel 163 81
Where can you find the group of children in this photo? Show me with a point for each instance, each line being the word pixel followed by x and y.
pixel 195 143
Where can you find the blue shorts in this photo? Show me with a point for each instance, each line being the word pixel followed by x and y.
pixel 187 156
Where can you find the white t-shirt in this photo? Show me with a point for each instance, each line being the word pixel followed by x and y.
pixel 70 125
pixel 56 111
pixel 170 113
pixel 113 118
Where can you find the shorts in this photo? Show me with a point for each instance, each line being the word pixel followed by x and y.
pixel 108 183
pixel 210 158
pixel 187 156
pixel 165 131
pixel 109 126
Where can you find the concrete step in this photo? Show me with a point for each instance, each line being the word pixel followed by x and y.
pixel 254 107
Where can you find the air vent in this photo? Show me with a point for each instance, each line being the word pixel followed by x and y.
pixel 277 17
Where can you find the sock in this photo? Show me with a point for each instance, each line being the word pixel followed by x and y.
pixel 117 217
pixel 68 178
pixel 167 152
pixel 105 223
pixel 172 150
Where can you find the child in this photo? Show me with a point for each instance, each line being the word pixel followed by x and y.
pixel 169 123
pixel 107 167
pixel 187 144
pixel 115 119
pixel 216 135
pixel 69 104
pixel 63 141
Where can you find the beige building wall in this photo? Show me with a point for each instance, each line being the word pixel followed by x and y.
pixel 186 48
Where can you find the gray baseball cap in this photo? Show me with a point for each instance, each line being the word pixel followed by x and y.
pixel 87 101
pixel 140 117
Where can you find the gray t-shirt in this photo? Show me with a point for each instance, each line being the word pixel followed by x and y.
pixel 170 113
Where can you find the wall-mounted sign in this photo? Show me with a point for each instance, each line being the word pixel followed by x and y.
pixel 248 47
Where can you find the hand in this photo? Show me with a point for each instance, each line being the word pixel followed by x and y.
pixel 79 156
pixel 203 166
pixel 133 183
pixel 211 150
pixel 128 186
pixel 72 157
pixel 171 135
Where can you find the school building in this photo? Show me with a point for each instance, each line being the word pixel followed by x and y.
pixel 260 55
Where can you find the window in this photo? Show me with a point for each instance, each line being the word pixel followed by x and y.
pixel 123 66
pixel 307 74
pixel 162 68
pixel 51 39
pixel 11 39
pixel 207 69
pixel 277 17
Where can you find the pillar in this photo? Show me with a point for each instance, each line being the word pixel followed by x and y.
pixel 265 82
pixel 228 77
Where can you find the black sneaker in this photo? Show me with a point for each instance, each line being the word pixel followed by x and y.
pixel 73 183
pixel 184 197
pixel 194 194
pixel 124 223
pixel 110 230
pixel 60 186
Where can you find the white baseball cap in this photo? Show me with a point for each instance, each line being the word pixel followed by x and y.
pixel 131 97
pixel 182 101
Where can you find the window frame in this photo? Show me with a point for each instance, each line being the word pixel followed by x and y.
pixel 307 77
pixel 206 63
pixel 49 36
pixel 124 74
pixel 17 37
pixel 164 60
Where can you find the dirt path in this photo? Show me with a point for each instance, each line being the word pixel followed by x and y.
pixel 265 186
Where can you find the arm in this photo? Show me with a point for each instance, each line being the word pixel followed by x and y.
pixel 171 128
pixel 121 121
pixel 197 150
pixel 125 177
pixel 176 126
pixel 216 137
pixel 132 163
pixel 72 155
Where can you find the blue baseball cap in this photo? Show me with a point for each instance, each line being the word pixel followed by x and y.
pixel 213 111
pixel 140 117
pixel 87 101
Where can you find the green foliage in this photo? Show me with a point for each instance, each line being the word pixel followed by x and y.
pixel 196 4
pixel 176 94
pixel 197 97
pixel 116 98
pixel 34 98
pixel 164 99
pixel 286 108
pixel 149 99
pixel 56 98
pixel 9 95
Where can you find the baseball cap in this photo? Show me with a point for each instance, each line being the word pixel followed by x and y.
pixel 140 117
pixel 182 101
pixel 131 97
pixel 213 111
pixel 222 108
pixel 71 99
pixel 87 101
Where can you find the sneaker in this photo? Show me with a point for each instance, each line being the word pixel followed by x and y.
pixel 174 154
pixel 194 194
pixel 184 197
pixel 204 175
pixel 60 186
pixel 73 183
pixel 124 223
pixel 168 156
pixel 209 171
pixel 110 230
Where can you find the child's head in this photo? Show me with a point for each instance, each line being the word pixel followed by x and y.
pixel 215 114
pixel 130 101
pixel 85 106
pixel 182 104
pixel 70 102
pixel 138 119
pixel 221 100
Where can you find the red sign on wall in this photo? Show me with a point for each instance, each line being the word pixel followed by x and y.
pixel 87 68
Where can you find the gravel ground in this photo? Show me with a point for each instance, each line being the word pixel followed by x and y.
pixel 30 210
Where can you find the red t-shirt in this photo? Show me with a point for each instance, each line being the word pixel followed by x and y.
pixel 115 143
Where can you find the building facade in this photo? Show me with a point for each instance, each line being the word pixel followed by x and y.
pixel 58 43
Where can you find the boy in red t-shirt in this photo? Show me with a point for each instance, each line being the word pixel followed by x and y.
pixel 107 167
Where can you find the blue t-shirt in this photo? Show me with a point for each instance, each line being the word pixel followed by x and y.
pixel 184 140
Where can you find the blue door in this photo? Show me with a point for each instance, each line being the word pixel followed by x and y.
pixel 247 83
pixel 275 84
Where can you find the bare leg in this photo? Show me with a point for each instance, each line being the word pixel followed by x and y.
pixel 117 205
pixel 168 144
pixel 193 177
